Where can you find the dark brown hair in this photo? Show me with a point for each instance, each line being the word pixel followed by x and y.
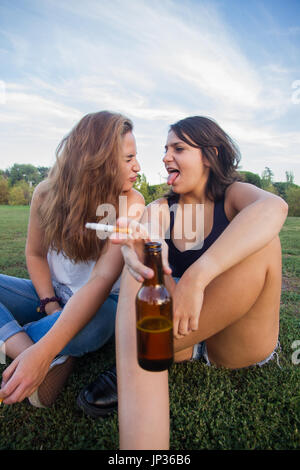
pixel 85 175
pixel 205 134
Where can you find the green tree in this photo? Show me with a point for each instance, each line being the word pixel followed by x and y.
pixel 271 189
pixel 267 181
pixel 281 188
pixel 143 187
pixel 293 200
pixel 16 196
pixel 267 178
pixel 27 190
pixel 4 190
pixel 43 172
pixel 158 190
pixel 251 178
pixel 26 172
pixel 289 175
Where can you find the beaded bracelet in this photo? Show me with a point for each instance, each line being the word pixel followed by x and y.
pixel 44 302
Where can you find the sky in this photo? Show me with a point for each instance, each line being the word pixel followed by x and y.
pixel 158 61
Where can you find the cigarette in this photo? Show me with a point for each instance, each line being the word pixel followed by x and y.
pixel 108 228
pixel 1 400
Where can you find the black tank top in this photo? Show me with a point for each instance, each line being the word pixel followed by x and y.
pixel 180 261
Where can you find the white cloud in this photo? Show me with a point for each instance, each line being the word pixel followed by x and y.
pixel 154 61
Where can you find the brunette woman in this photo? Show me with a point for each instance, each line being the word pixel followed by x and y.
pixel 226 294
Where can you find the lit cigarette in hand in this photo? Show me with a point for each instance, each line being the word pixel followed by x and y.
pixel 108 228
pixel 1 400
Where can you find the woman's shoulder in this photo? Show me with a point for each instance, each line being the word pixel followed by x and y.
pixel 135 197
pixel 41 190
pixel 232 192
pixel 162 203
pixel 135 205
pixel 241 194
pixel 166 200
pixel 239 189
pixel 39 193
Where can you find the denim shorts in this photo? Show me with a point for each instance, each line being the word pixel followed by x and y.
pixel 200 353
pixel 18 312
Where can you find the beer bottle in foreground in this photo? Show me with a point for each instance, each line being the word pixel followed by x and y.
pixel 154 316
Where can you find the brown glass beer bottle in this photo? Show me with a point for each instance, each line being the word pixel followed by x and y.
pixel 154 316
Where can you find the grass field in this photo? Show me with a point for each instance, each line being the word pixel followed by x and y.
pixel 210 408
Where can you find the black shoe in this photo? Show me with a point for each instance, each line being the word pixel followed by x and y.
pixel 100 397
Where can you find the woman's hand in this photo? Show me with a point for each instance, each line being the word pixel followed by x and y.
pixel 23 376
pixel 187 305
pixel 133 249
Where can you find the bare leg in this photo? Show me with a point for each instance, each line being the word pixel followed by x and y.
pixel 142 396
pixel 239 316
pixel 16 344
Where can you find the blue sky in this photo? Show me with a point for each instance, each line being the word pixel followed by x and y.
pixel 235 61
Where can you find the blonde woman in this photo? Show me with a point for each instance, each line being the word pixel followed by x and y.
pixel 67 308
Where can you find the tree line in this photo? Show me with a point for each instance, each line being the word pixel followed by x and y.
pixel 18 182
pixel 288 190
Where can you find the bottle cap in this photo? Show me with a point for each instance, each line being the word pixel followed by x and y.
pixel 153 247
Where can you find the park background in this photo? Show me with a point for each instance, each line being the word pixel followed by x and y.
pixel 231 60
pixel 17 184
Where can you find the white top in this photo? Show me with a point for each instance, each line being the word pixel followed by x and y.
pixel 74 275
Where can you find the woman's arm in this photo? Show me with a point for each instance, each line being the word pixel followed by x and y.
pixel 82 306
pixel 36 254
pixel 28 370
pixel 259 217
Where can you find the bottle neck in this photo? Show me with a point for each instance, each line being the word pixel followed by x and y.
pixel 153 261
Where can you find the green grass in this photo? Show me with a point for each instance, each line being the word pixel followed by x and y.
pixel 210 408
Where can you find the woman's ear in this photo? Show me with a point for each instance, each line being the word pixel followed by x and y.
pixel 204 158
pixel 205 161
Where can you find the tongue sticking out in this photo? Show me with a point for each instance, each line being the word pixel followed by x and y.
pixel 172 177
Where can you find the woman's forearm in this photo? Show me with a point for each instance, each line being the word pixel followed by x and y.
pixel 78 311
pixel 252 228
pixel 40 276
pixel 39 273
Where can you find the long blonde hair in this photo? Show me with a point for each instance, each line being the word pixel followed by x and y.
pixel 85 175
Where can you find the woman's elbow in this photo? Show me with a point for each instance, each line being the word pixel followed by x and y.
pixel 282 207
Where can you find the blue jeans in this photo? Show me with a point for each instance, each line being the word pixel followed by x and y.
pixel 18 312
